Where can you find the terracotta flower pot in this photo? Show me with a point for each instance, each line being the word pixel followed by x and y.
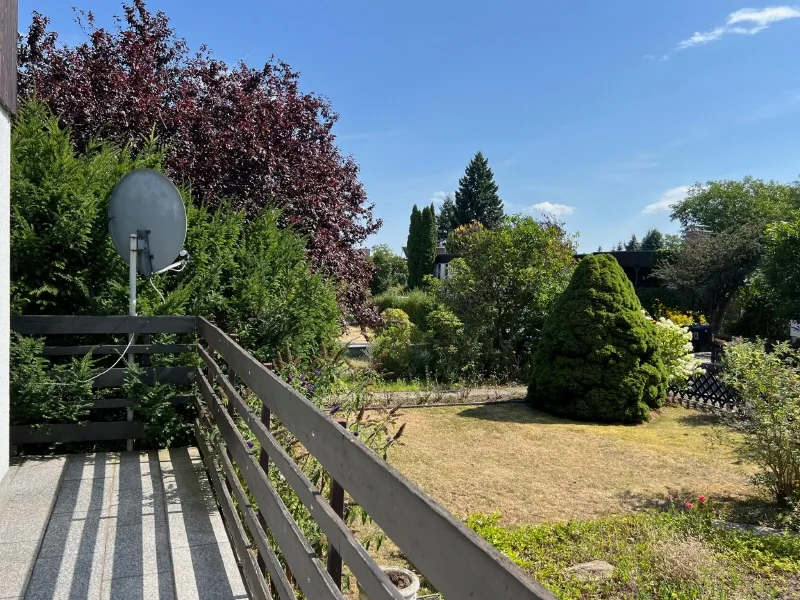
pixel 404 580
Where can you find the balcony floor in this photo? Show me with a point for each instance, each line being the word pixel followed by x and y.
pixel 130 525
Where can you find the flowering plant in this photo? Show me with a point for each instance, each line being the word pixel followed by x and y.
pixel 698 512
pixel 675 344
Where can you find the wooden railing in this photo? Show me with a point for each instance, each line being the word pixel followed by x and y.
pixel 457 562
pixel 53 327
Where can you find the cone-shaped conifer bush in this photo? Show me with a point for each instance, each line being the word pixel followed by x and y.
pixel 598 358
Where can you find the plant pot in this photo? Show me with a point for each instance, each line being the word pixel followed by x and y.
pixel 404 580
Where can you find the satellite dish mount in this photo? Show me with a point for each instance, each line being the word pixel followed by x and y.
pixel 145 259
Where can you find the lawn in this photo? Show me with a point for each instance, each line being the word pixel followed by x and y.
pixel 565 493
pixel 532 467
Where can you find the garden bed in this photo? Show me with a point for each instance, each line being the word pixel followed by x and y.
pixel 676 553
pixel 386 396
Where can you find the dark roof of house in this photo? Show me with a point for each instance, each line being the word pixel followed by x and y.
pixel 642 259
pixel 444 258
pixel 632 260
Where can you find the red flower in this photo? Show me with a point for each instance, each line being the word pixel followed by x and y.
pixel 688 505
pixel 701 499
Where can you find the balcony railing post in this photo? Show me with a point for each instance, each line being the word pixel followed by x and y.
pixel 337 504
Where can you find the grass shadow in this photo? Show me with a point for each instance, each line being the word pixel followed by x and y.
pixel 515 412
pixel 705 419
pixel 750 510
pixel 523 413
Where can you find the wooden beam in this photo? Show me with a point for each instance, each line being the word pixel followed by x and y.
pixel 104 403
pixel 85 325
pixel 173 375
pixel 117 349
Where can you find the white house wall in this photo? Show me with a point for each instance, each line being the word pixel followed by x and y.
pixel 5 277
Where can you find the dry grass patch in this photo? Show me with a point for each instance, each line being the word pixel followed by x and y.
pixel 685 558
pixel 354 335
pixel 532 467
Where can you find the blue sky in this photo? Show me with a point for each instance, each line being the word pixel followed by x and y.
pixel 600 112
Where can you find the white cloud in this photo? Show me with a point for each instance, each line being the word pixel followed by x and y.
pixel 701 37
pixel 747 21
pixel 667 200
pixel 557 210
pixel 438 197
pixel 765 16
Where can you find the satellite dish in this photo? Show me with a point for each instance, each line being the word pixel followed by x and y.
pixel 146 203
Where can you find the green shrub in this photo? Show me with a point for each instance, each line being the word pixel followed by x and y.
pixel 417 304
pixel 768 386
pixel 391 351
pixel 62 257
pixel 252 278
pixel 44 393
pixel 446 345
pixel 598 358
pixel 165 425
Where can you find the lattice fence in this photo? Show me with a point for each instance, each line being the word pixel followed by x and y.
pixel 706 391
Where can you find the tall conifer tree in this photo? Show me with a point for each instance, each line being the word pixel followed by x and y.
pixel 476 199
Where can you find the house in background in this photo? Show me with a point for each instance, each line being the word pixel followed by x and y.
pixel 440 264
pixel 440 270
pixel 638 266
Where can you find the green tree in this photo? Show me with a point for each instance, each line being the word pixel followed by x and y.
pixel 414 248
pixel 652 241
pixel 447 219
pixel 781 265
pixel 633 244
pixel 421 245
pixel 726 205
pixel 476 199
pixel 713 271
pixel 672 242
pixel 503 286
pixel 390 270
pixel 757 310
pixel 710 268
pixel 62 258
pixel 598 359
pixel 430 237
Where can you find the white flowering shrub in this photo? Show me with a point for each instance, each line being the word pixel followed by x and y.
pixel 675 343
